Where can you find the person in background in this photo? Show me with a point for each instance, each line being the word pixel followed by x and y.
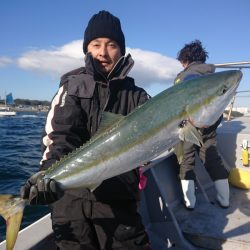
pixel 193 57
pixel 106 218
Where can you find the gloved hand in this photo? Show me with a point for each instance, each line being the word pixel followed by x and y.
pixel 41 191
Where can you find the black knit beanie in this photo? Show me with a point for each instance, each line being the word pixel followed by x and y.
pixel 104 24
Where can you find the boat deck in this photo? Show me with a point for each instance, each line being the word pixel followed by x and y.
pixel 212 227
pixel 208 226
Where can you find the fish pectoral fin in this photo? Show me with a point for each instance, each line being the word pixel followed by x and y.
pixel 189 133
pixel 11 209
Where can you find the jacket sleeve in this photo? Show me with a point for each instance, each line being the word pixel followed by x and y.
pixel 65 128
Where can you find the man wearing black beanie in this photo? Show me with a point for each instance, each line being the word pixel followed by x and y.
pixel 104 24
pixel 106 218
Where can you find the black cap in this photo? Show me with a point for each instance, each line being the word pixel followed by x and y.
pixel 104 24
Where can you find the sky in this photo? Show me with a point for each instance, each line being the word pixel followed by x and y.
pixel 42 40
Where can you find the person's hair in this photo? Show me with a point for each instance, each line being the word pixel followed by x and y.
pixel 192 52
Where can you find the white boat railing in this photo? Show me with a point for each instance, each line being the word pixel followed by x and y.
pixel 235 65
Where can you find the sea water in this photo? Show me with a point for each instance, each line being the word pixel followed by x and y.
pixel 20 154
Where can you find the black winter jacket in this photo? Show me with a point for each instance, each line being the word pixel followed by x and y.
pixel 75 116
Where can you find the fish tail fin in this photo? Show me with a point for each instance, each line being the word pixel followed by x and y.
pixel 11 209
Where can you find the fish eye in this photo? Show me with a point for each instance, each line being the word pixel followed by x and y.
pixel 223 90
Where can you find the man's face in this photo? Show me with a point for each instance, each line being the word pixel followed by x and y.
pixel 106 53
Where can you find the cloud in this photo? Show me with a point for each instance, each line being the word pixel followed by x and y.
pixel 55 61
pixel 150 67
pixel 4 61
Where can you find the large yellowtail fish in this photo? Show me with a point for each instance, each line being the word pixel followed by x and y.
pixel 124 143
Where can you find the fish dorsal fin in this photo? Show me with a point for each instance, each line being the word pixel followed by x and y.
pixel 189 133
pixel 107 122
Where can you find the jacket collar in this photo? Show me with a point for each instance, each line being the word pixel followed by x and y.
pixel 119 72
pixel 202 68
pixel 192 64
